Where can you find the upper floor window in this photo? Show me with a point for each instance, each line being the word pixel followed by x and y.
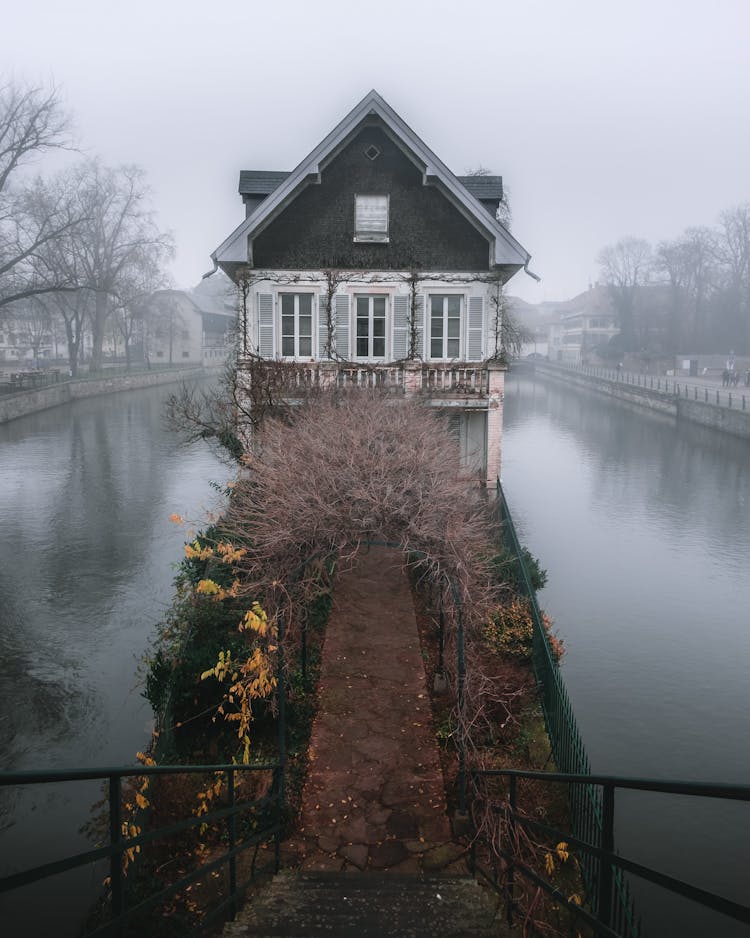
pixel 370 327
pixel 296 325
pixel 445 326
pixel 370 217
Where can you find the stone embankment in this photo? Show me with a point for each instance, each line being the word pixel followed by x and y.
pixel 32 401
pixel 698 401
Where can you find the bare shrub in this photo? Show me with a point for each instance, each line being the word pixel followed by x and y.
pixel 358 466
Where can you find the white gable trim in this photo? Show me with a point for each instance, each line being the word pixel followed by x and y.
pixel 504 248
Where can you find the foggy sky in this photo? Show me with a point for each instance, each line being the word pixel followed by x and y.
pixel 605 117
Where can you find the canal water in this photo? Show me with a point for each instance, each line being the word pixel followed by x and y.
pixel 87 555
pixel 644 528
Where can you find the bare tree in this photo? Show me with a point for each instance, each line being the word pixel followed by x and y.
pixel 131 309
pixel 32 123
pixel 33 323
pixel 117 237
pixel 74 308
pixel 625 266
pixel 733 252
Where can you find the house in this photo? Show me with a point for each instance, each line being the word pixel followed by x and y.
pixel 372 264
pixel 584 327
pixel 189 328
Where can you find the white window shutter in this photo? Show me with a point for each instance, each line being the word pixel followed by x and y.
pixel 475 329
pixel 265 325
pixel 342 325
pixel 400 327
pixel 323 349
pixel 419 351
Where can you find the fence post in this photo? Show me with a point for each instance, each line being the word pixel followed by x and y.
pixel 461 678
pixel 115 861
pixel 303 650
pixel 281 691
pixel 441 635
pixel 509 880
pixel 232 830
pixel 604 907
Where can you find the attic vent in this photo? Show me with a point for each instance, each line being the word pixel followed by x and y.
pixel 372 152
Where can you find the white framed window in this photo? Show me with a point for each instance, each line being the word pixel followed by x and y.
pixel 371 218
pixel 370 314
pixel 445 325
pixel 296 325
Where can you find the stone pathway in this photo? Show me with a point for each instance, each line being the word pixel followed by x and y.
pixel 374 798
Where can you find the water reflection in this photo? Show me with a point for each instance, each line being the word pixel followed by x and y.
pixel 644 527
pixel 86 567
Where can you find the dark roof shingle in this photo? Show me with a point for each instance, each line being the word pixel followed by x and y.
pixel 260 181
pixel 483 187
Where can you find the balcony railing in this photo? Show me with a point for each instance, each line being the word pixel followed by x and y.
pixel 409 378
pixel 455 379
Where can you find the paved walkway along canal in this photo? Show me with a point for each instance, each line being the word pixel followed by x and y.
pixel 374 798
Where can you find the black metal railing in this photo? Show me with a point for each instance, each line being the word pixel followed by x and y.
pixel 585 801
pixel 265 814
pixel 603 911
pixel 665 386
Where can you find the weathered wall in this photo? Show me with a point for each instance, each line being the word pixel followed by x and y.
pixel 30 402
pixel 317 230
pixel 736 422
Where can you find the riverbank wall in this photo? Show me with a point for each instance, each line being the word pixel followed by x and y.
pixel 23 403
pixel 675 403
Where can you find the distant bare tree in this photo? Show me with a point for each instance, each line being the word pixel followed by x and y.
pixel 672 259
pixel 33 324
pixel 32 123
pixel 625 266
pixel 117 241
pixel 130 304
pixel 733 251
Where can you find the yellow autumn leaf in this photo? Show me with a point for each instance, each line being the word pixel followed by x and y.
pixel 207 587
pixel 562 851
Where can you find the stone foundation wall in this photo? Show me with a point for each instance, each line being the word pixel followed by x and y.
pixel 736 422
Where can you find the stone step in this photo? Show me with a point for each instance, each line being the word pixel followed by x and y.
pixel 368 905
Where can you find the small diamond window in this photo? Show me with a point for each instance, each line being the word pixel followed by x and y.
pixel 372 152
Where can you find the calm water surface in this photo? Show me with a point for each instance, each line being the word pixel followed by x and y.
pixel 644 528
pixel 87 556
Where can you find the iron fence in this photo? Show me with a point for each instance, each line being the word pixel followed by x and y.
pixel 607 914
pixel 665 386
pixel 123 840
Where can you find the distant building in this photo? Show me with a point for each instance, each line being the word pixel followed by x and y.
pixel 584 329
pixel 188 328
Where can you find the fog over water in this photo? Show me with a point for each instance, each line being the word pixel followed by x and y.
pixel 644 528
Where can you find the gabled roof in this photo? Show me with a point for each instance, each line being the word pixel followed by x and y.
pixel 506 250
